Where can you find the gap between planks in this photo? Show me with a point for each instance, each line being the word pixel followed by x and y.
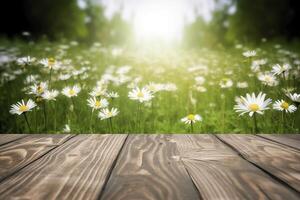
pixel 76 170
pixel 8 138
pixel 203 156
pixel 20 153
pixel 279 161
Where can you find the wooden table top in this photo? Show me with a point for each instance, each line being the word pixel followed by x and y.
pixel 128 167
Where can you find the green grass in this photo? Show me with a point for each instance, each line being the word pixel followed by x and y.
pixel 161 115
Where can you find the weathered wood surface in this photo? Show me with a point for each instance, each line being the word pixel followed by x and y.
pixel 76 170
pixel 289 140
pixel 220 173
pixel 19 153
pixel 150 167
pixel 6 138
pixel 279 160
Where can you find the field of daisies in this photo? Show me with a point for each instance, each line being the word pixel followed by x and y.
pixel 67 87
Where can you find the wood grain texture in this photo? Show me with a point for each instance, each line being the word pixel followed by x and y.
pixel 279 160
pixel 291 140
pixel 149 168
pixel 220 173
pixel 19 153
pixel 6 138
pixel 75 170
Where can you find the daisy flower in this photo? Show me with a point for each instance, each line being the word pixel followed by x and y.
pixel 154 87
pixel 98 91
pixel 249 54
pixel 38 89
pixel 71 91
pixel 31 79
pixel 280 69
pixel 255 68
pixel 106 113
pixel 112 95
pixel 267 79
pixel 252 104
pixel 282 105
pixel 64 77
pixel 199 80
pixel 50 95
pixel 170 87
pixel 50 63
pixel 200 88
pixel 66 129
pixel 259 62
pixel 294 97
pixel 22 107
pixel 25 60
pixel 97 104
pixel 226 83
pixel 123 70
pixel 141 95
pixel 241 84
pixel 191 119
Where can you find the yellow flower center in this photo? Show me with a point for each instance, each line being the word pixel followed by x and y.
pixel 109 114
pixel 268 79
pixel 23 108
pixel 71 92
pixel 40 89
pixel 191 117
pixel 254 107
pixel 97 104
pixel 51 61
pixel 140 94
pixel 284 105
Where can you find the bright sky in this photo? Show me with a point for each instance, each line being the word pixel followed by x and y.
pixel 189 7
pixel 162 19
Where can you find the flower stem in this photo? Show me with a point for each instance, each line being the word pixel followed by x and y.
pixel 282 121
pixel 223 113
pixel 110 124
pixel 255 123
pixel 50 77
pixel 91 131
pixel 27 122
pixel 55 116
pixel 192 127
pixel 74 111
pixel 35 119
pixel 45 115
pixel 138 118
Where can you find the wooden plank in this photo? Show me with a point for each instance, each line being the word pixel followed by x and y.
pixel 77 169
pixel 19 153
pixel 149 168
pixel 220 173
pixel 289 140
pixel 6 138
pixel 279 160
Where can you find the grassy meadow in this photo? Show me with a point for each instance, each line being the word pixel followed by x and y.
pixel 183 90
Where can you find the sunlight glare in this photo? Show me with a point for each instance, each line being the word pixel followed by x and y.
pixel 161 20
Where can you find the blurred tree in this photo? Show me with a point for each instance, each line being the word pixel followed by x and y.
pixel 208 33
pixel 256 19
pixel 54 18
pixel 96 23
pixel 120 30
